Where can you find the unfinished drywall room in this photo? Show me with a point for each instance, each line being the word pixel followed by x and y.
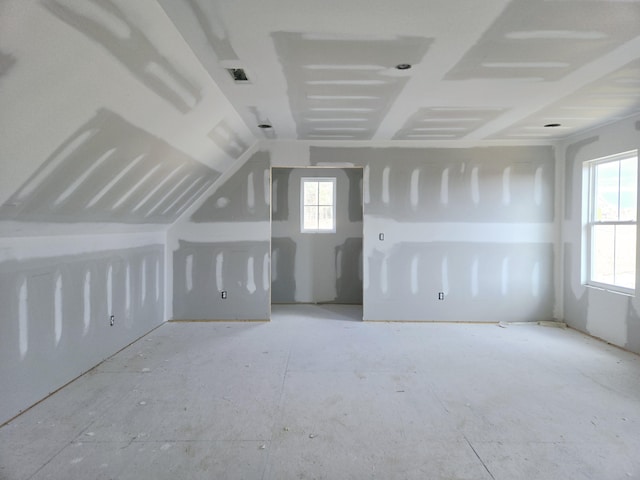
pixel 344 239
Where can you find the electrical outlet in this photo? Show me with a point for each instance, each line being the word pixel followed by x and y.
pixel 112 320
pixel 223 294
pixel 440 295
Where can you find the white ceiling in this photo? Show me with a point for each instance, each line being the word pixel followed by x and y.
pixel 491 70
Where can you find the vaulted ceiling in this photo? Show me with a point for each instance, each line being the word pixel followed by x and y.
pixel 126 111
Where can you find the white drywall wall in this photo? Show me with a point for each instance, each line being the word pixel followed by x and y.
pixel 58 294
pixel 612 316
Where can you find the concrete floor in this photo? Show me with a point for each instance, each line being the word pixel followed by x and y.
pixel 315 394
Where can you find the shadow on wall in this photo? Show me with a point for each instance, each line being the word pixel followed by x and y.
pixel 354 202
pixel 349 271
pixel 7 61
pixel 283 277
pixel 348 267
pixel 324 73
pixel 105 23
pixel 56 317
pixel 633 329
pixel 202 271
pixel 110 171
pixel 280 194
pixel 242 198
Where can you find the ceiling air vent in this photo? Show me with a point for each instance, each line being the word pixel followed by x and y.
pixel 238 75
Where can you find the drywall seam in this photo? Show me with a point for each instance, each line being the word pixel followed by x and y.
pixel 15 229
pixel 506 233
pixel 225 231
pixel 21 248
pixel 221 180
pixel 280 147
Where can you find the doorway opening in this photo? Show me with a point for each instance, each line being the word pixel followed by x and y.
pixel 316 235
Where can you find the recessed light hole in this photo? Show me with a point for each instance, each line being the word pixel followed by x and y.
pixel 552 125
pixel 403 66
pixel 238 74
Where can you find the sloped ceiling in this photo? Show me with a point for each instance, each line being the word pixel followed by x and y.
pixel 125 112
pixel 106 115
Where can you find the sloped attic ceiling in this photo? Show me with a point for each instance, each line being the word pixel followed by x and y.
pixel 107 115
pixel 120 111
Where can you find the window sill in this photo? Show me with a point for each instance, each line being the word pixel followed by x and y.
pixel 610 290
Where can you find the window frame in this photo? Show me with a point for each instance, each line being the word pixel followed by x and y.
pixel 304 180
pixel 590 222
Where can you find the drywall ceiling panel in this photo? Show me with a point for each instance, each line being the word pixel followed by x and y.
pixel 325 71
pixel 445 122
pixel 107 116
pixel 341 87
pixel 110 171
pixel 614 96
pixel 547 40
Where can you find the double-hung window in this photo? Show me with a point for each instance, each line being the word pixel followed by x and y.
pixel 611 189
pixel 318 205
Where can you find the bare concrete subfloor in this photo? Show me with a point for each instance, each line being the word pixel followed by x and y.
pixel 317 394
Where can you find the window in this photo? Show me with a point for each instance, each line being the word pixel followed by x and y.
pixel 318 205
pixel 611 185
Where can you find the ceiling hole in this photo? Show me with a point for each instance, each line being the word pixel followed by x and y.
pixel 264 125
pixel 403 66
pixel 553 125
pixel 238 74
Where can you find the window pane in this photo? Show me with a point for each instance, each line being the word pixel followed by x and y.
pixel 326 193
pixel 625 256
pixel 310 193
pixel 317 204
pixel 628 189
pixel 603 253
pixel 326 218
pixel 310 218
pixel 606 191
